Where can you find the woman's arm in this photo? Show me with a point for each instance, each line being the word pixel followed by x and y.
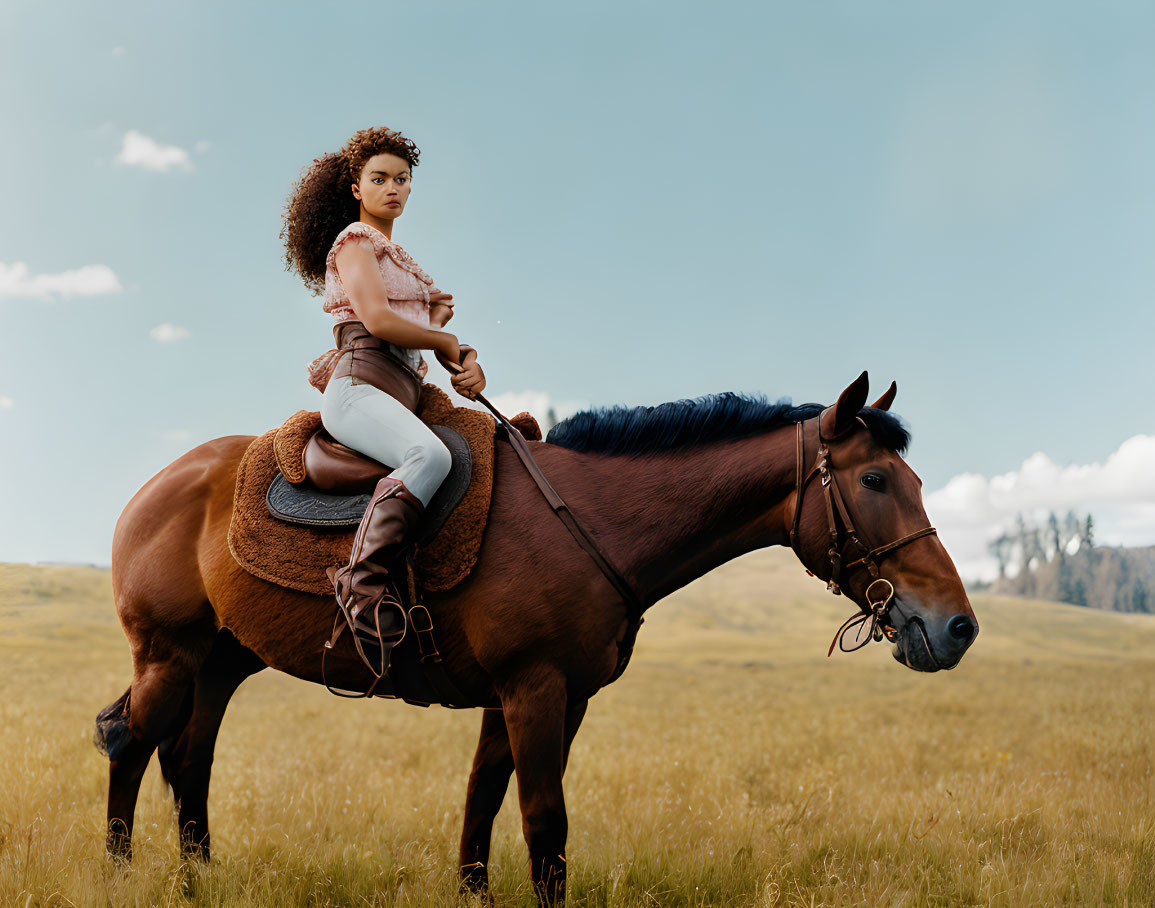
pixel 361 277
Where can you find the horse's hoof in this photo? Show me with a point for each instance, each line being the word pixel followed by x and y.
pixel 475 881
pixel 118 843
pixel 118 854
pixel 194 854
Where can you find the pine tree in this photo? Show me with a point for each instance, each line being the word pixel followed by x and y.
pixel 1072 528
pixel 1054 537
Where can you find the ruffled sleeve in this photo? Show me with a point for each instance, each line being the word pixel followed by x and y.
pixel 357 229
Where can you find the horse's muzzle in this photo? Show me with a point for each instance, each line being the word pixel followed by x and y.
pixel 912 648
pixel 924 651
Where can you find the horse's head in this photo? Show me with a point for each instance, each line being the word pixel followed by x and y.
pixel 857 521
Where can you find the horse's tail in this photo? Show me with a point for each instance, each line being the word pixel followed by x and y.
pixel 112 732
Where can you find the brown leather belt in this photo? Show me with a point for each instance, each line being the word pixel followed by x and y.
pixel 370 360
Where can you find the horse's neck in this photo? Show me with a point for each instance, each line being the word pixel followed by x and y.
pixel 667 518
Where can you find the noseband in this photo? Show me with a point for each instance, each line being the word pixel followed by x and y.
pixel 879 593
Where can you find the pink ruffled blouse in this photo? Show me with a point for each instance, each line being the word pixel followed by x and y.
pixel 407 286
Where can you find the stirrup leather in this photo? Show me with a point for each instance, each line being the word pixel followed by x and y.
pixel 364 623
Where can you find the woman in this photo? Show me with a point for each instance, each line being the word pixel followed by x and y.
pixel 339 238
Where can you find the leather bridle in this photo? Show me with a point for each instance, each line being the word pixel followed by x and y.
pixel 879 593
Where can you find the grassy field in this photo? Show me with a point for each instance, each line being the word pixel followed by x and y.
pixel 733 764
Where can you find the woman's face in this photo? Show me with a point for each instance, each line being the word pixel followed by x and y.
pixel 384 186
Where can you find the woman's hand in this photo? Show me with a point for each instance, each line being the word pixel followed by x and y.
pixel 440 308
pixel 471 380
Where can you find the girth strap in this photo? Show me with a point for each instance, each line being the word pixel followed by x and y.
pixel 422 624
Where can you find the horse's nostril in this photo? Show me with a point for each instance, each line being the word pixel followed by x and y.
pixel 961 628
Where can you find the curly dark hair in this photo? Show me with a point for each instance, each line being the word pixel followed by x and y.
pixel 320 204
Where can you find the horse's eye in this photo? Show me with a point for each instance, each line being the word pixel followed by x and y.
pixel 874 482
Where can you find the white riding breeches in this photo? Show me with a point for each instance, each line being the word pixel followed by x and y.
pixel 370 421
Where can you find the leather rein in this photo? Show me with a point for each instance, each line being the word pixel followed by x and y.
pixel 431 659
pixel 875 615
pixel 879 593
pixel 633 603
pixel 634 606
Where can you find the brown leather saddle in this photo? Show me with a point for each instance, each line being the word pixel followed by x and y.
pixel 328 484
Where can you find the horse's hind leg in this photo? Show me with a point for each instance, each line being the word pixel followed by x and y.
pixel 186 757
pixel 164 666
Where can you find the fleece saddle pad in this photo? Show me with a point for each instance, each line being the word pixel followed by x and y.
pixel 295 555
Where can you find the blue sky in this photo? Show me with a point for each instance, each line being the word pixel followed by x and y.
pixel 631 203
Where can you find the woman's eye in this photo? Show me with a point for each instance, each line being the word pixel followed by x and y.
pixel 873 482
pixel 378 180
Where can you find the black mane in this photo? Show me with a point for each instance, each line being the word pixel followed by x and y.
pixel 714 417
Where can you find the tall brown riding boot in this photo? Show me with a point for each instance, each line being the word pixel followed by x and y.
pixel 366 590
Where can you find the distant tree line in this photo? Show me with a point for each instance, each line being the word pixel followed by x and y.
pixel 1059 560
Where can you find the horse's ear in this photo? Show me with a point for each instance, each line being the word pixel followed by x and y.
pixel 884 402
pixel 837 419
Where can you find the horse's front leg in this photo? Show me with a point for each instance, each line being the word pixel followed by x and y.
pixel 535 718
pixel 492 767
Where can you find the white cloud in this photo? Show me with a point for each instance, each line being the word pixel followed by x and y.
pixel 1119 493
pixel 168 333
pixel 6 403
pixel 175 435
pixel 538 403
pixel 202 146
pixel 90 280
pixel 139 150
pixel 118 51
pixel 510 403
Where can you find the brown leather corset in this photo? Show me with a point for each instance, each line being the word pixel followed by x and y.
pixel 369 361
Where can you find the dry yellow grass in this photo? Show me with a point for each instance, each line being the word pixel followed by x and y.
pixel 732 765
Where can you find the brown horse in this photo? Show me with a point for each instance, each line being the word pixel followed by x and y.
pixel 668 493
